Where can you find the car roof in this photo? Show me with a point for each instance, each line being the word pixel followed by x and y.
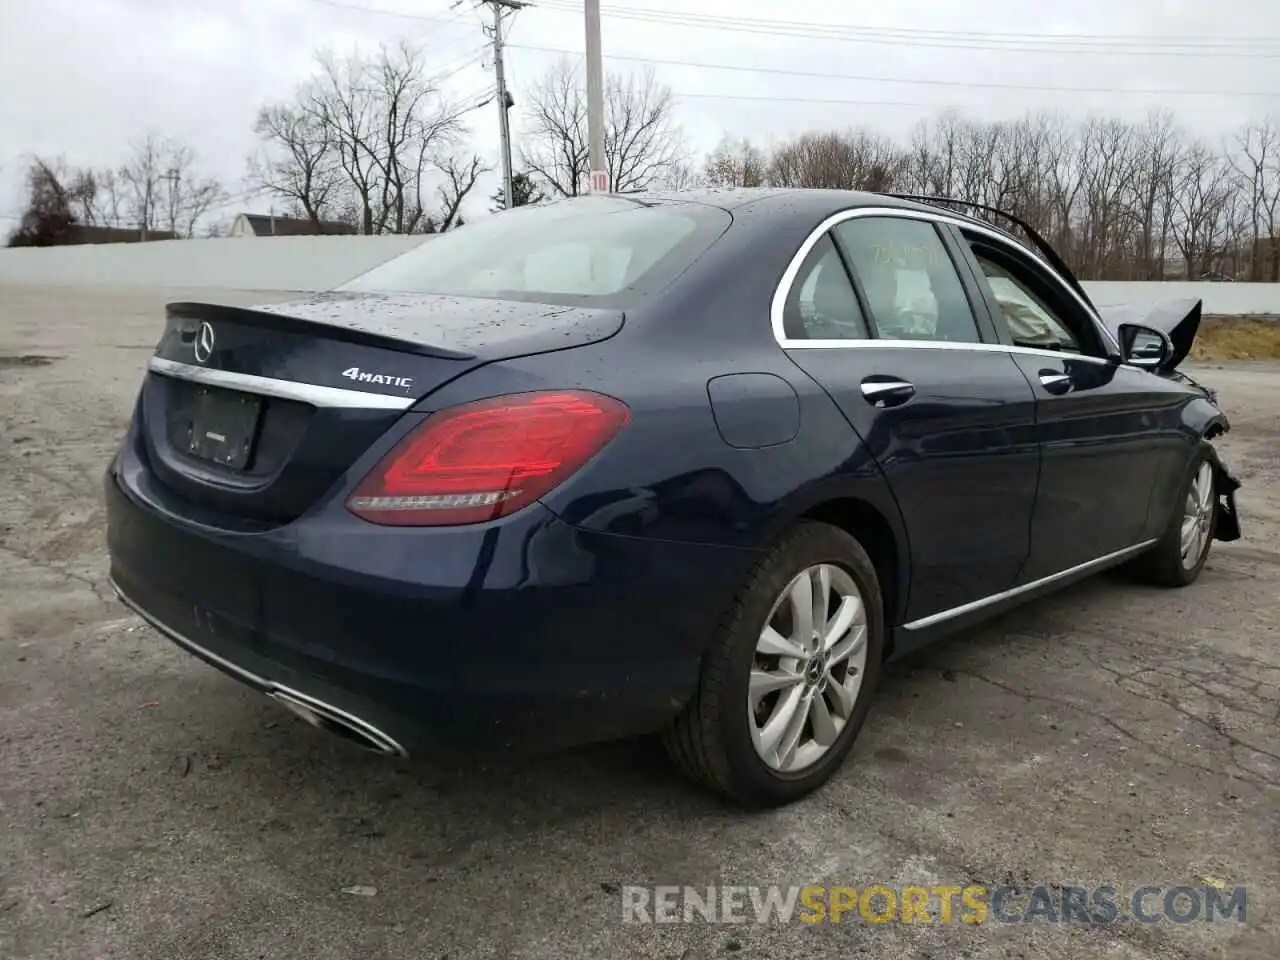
pixel 804 201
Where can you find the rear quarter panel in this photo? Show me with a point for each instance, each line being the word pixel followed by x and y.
pixel 670 474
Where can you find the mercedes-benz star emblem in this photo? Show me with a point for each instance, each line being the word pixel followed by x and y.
pixel 204 343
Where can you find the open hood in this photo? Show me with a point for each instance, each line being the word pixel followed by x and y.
pixel 1179 319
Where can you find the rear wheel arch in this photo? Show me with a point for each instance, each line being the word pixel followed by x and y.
pixel 872 529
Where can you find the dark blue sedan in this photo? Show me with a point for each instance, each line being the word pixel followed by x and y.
pixel 693 463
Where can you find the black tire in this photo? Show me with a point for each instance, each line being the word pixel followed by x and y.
pixel 711 739
pixel 1163 565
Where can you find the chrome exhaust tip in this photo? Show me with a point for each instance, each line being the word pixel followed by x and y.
pixel 329 718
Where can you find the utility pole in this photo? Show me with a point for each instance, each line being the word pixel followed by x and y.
pixel 173 175
pixel 505 101
pixel 598 179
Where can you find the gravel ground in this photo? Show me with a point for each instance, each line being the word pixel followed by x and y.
pixel 1112 734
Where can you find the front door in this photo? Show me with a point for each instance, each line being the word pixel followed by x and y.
pixel 1104 434
pixel 879 317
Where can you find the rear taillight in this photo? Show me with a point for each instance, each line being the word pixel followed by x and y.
pixel 486 459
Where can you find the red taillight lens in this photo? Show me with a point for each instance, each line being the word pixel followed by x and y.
pixel 486 459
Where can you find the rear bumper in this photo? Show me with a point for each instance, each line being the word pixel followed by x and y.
pixel 526 634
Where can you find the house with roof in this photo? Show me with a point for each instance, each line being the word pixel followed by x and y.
pixel 269 225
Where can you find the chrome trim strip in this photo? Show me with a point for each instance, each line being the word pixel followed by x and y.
pixel 783 290
pixel 329 712
pixel 234 669
pixel 1026 587
pixel 311 393
pixel 940 345
pixel 269 687
pixel 884 386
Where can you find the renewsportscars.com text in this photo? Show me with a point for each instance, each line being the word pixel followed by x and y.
pixel 973 903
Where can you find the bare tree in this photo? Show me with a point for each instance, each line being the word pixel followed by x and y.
pixel 1159 157
pixel 347 108
pixel 1108 160
pixel 50 217
pixel 1118 199
pixel 1203 201
pixel 642 144
pixel 1256 162
pixel 298 163
pixel 140 175
pixel 736 163
pixel 856 160
pixel 108 198
pixel 387 121
pixel 163 188
pixel 681 175
pixel 460 180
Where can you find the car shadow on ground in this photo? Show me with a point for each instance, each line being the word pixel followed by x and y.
pixel 300 771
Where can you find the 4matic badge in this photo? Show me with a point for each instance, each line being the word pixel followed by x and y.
pixel 367 376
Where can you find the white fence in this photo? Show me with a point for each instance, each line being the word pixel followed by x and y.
pixel 1224 299
pixel 229 263
pixel 320 263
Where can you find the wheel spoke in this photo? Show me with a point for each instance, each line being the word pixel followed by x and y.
pixel 850 646
pixel 822 598
pixel 774 644
pixel 1189 528
pixel 802 601
pixel 825 730
pixel 791 737
pixel 843 697
pixel 839 625
pixel 767 681
pixel 1204 486
pixel 783 713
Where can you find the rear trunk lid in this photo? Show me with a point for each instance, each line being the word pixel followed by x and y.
pixel 256 412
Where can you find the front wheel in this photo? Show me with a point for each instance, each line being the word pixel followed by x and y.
pixel 789 679
pixel 1178 558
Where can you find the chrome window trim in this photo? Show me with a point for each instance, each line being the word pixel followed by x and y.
pixel 311 393
pixel 783 290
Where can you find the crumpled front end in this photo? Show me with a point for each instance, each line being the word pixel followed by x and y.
pixel 1227 525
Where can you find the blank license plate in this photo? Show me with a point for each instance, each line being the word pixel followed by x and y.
pixel 223 425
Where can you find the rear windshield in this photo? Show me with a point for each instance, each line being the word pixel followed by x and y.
pixel 591 251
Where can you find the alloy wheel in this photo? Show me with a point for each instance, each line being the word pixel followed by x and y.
pixel 1197 517
pixel 809 663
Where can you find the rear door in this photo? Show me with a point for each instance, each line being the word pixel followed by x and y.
pixel 878 315
pixel 1106 430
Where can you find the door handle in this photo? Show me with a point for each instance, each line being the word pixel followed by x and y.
pixel 1055 382
pixel 888 392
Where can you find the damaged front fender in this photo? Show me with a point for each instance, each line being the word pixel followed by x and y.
pixel 1225 485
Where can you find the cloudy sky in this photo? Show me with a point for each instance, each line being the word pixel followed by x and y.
pixel 82 78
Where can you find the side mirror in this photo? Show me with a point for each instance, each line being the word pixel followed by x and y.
pixel 1144 347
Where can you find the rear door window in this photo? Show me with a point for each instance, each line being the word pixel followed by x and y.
pixel 910 284
pixel 822 304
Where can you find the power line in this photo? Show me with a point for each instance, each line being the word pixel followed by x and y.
pixel 870 78
pixel 1038 43
pixel 356 8
pixel 975 85
pixel 1127 45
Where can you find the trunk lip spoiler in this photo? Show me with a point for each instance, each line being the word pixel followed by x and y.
pixel 314 394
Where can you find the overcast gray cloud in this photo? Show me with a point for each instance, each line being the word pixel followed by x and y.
pixel 81 79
